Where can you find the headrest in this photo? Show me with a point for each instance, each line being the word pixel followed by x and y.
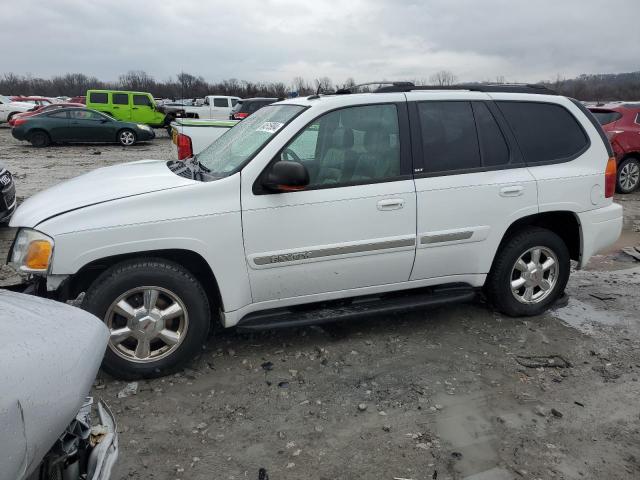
pixel 342 138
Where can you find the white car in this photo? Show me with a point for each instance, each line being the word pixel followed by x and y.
pixel 50 355
pixel 214 107
pixel 346 204
pixel 8 108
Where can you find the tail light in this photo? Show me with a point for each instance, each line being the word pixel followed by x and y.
pixel 18 121
pixel 185 150
pixel 240 115
pixel 610 178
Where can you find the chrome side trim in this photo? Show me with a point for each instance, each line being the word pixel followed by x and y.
pixel 333 251
pixel 445 237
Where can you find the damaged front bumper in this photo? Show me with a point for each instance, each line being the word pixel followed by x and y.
pixel 85 450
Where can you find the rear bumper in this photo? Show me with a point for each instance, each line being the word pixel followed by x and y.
pixel 600 229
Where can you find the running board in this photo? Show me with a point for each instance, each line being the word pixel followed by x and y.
pixel 359 307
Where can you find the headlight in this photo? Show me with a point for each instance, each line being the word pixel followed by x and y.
pixel 142 126
pixel 32 251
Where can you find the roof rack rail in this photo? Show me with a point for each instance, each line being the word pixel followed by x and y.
pixel 350 89
pixel 387 86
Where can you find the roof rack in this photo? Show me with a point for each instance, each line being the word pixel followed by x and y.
pixel 473 87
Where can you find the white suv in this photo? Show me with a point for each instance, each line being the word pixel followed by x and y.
pixel 330 207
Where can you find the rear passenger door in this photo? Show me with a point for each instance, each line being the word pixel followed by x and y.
pixel 471 184
pixel 121 108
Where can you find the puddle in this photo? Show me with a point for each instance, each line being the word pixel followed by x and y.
pixel 584 318
pixel 465 424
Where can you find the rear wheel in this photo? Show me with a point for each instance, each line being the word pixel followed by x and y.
pixel 127 137
pixel 530 272
pixel 40 139
pixel 157 313
pixel 628 175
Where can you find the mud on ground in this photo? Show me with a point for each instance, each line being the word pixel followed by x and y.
pixel 458 392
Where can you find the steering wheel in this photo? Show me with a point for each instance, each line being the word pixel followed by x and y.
pixel 292 154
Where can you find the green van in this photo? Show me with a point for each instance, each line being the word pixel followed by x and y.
pixel 138 107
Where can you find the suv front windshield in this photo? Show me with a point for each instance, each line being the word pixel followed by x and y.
pixel 237 146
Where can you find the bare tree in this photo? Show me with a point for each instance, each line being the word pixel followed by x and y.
pixel 443 78
pixel 324 84
pixel 137 80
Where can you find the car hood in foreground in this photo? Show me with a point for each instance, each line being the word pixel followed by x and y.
pixel 99 186
pixel 50 354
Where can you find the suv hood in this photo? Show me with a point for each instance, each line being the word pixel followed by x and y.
pixel 99 186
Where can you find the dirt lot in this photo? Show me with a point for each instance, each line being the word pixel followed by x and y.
pixel 441 394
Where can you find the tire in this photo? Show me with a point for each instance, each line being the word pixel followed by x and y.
pixel 40 139
pixel 186 325
pixel 628 177
pixel 127 137
pixel 505 273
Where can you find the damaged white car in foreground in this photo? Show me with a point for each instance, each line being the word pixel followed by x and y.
pixel 50 354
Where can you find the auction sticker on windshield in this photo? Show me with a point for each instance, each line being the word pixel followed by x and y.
pixel 270 127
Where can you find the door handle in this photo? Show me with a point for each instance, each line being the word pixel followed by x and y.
pixel 512 191
pixel 391 204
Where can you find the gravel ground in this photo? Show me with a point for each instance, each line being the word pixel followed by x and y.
pixel 440 394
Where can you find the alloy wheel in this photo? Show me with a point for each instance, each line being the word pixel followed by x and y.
pixel 146 324
pixel 127 138
pixel 629 176
pixel 534 275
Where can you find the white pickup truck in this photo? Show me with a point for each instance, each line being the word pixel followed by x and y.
pixel 191 136
pixel 215 107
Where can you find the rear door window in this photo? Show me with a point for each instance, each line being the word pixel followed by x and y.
pixel 449 139
pixel 98 97
pixel 545 132
pixel 121 99
pixel 220 102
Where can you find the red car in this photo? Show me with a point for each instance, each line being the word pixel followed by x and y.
pixel 621 123
pixel 42 109
pixel 79 99
pixel 33 99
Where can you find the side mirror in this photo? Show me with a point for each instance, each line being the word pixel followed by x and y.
pixel 286 176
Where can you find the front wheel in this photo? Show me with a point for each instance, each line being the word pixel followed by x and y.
pixel 127 137
pixel 529 273
pixel 158 315
pixel 628 175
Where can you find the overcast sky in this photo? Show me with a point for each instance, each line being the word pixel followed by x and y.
pixel 276 40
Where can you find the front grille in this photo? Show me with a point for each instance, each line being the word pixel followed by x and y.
pixel 7 197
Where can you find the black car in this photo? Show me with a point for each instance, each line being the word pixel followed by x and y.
pixel 79 125
pixel 246 107
pixel 7 195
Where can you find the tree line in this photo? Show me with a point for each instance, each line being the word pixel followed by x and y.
pixel 601 87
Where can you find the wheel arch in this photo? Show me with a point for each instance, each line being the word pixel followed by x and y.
pixel 565 224
pixel 192 261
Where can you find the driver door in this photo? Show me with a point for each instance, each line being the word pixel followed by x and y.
pixel 353 226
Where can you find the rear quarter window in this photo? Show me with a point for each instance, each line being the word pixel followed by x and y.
pixel 545 132
pixel 606 117
pixel 97 97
